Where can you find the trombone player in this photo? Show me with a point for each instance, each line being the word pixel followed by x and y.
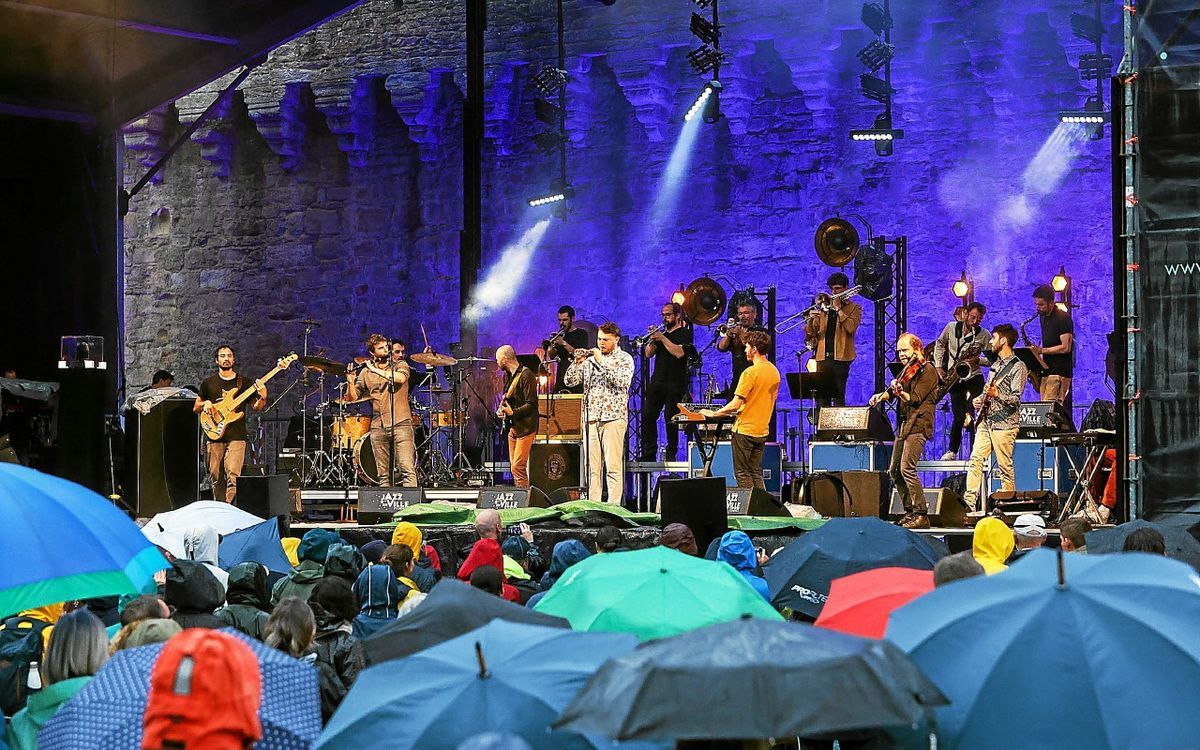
pixel 831 333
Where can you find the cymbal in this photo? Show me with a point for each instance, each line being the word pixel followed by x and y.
pixel 324 364
pixel 433 359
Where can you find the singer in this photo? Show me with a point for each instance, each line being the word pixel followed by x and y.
pixel 605 374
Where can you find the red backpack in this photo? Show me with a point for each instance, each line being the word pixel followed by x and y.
pixel 205 691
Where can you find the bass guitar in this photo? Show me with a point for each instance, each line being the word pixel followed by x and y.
pixel 506 419
pixel 216 419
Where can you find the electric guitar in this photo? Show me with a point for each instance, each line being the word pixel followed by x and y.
pixel 506 419
pixel 216 419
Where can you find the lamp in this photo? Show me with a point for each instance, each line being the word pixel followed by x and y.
pixel 1061 284
pixel 680 295
pixel 964 289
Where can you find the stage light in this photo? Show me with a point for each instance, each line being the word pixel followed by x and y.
pixel 702 101
pixel 704 59
pixel 876 18
pixel 881 133
pixel 547 112
pixel 964 289
pixel 556 195
pixel 703 3
pixel 1061 281
pixel 550 80
pixel 704 29
pixel 876 54
pixel 874 88
pixel 1093 67
pixel 680 295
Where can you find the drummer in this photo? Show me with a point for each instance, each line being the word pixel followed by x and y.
pixel 384 380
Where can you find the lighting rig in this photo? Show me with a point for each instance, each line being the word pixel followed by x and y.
pixel 706 60
pixel 877 84
pixel 1093 66
pixel 551 83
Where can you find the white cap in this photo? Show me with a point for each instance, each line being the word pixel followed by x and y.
pixel 1029 524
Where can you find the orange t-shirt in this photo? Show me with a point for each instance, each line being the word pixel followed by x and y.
pixel 759 386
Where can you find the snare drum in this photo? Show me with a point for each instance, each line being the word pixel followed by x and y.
pixel 364 462
pixel 445 419
pixel 348 430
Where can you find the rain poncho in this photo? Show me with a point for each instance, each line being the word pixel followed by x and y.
pixel 247 600
pixel 201 544
pixel 345 561
pixel 737 550
pixel 487 552
pixel 424 573
pixel 992 544
pixel 195 593
pixel 380 594
pixel 46 613
pixel 311 552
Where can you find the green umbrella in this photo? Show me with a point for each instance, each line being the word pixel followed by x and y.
pixel 652 593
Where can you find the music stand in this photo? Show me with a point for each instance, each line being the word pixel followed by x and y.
pixel 813 386
pixel 1031 361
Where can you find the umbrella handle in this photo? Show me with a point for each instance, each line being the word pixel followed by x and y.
pixel 1062 573
pixel 482 664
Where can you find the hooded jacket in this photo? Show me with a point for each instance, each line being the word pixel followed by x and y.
pixel 737 550
pixel 195 593
pixel 247 600
pixel 425 574
pixel 381 595
pixel 48 613
pixel 202 544
pixel 340 658
pixel 487 552
pixel 42 706
pixel 518 549
pixel 313 550
pixel 991 545
pixel 566 553
pixel 344 561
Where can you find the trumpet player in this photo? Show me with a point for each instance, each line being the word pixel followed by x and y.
pixel 561 347
pixel 953 348
pixel 605 374
pixel 665 344
pixel 830 334
pixel 733 340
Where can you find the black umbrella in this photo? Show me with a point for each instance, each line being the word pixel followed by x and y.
pixel 1180 544
pixel 755 679
pixel 451 609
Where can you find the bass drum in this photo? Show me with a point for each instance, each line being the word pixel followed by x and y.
pixel 364 462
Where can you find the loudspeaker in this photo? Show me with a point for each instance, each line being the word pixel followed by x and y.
pixel 1024 501
pixel 839 494
pixel 265 497
pixel 162 472
pixel 504 498
pixel 555 465
pixel 697 503
pixel 744 501
pixel 946 507
pixel 568 495
pixel 377 504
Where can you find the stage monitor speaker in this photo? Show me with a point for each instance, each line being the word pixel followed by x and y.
pixel 840 494
pixel 697 503
pixel 81 434
pixel 266 496
pixel 1024 501
pixel 553 466
pixel 745 501
pixel 377 504
pixel 162 470
pixel 568 495
pixel 946 508
pixel 506 498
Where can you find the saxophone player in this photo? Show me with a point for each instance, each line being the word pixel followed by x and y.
pixel 831 335
pixel 954 345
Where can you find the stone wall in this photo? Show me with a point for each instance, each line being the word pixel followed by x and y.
pixel 330 184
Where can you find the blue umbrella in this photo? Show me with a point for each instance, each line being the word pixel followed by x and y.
pixel 60 541
pixel 798 577
pixel 258 543
pixel 437 698
pixel 107 713
pixel 1116 641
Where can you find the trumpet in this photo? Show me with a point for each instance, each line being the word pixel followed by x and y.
pixel 644 339
pixel 723 329
pixel 822 303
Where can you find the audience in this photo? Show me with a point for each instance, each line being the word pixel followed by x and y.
pixel 518 567
pixel 426 568
pixel 1145 540
pixel 678 536
pixel 144 607
pixel 956 567
pixel 344 561
pixel 486 552
pixel 737 550
pixel 340 657
pixel 313 549
pixel 247 601
pixel 194 594
pixel 991 544
pixel 155 630
pixel 201 544
pixel 525 552
pixel 372 551
pixel 400 559
pixel 379 595
pixel 1074 533
pixel 566 553
pixel 488 579
pixel 1029 533
pixel 608 539
pixel 291 628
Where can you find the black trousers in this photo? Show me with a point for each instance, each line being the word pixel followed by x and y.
pixel 903 470
pixel 841 371
pixel 747 460
pixel 661 397
pixel 961 396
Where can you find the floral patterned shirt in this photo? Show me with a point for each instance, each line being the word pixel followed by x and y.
pixel 605 380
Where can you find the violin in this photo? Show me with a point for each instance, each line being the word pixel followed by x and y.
pixel 905 376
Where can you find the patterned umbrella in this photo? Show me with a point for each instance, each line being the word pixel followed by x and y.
pixel 108 711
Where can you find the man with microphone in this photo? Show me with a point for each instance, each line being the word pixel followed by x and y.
pixel 605 374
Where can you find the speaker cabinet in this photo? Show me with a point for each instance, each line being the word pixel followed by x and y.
pixel 376 505
pixel 553 466
pixel 946 508
pixel 506 498
pixel 838 494
pixel 697 503
pixel 265 497
pixel 162 464
pixel 743 501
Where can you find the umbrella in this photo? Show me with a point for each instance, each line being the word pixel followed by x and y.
pixel 799 576
pixel 107 712
pixel 652 593
pixel 1115 643
pixel 740 680
pixel 1180 544
pixel 258 543
pixel 61 541
pixel 861 603
pixel 502 677
pixel 166 529
pixel 451 609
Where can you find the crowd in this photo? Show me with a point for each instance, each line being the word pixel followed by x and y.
pixel 336 595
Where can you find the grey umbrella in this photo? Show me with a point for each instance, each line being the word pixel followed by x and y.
pixel 1180 544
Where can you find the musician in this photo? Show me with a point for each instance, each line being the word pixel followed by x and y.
pixel 746 320
pixel 604 373
pixel 227 454
pixel 566 340
pixel 753 402
pixel 669 381
pixel 831 335
pixel 915 389
pixel 998 427
pixel 1058 346
pixel 384 380
pixel 398 350
pixel 955 342
pixel 518 408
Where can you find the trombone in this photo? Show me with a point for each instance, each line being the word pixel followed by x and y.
pixel 822 303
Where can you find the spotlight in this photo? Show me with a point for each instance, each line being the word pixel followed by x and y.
pixel 556 195
pixel 1093 113
pixel 876 18
pixel 881 133
pixel 1093 67
pixel 707 95
pixel 703 3
pixel 1061 281
pixel 704 59
pixel 704 29
pixel 964 288
pixel 873 271
pixel 547 112
pixel 876 54
pixel 680 295
pixel 875 88
pixel 550 80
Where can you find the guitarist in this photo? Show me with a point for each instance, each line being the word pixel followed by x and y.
pixel 518 409
pixel 227 454
pixel 999 408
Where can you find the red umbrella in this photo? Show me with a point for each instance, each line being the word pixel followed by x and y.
pixel 861 603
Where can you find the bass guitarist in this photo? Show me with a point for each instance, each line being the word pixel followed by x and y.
pixel 999 409
pixel 227 454
pixel 518 409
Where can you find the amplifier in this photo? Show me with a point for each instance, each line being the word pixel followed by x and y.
pixel 555 465
pixel 1038 466
pixel 946 508
pixel 377 504
pixel 561 415
pixel 852 423
pixel 858 456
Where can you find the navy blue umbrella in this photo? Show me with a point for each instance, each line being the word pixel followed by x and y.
pixel 798 577
pixel 107 712
pixel 258 543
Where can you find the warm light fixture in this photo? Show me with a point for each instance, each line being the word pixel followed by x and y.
pixel 962 287
pixel 1061 281
pixel 680 296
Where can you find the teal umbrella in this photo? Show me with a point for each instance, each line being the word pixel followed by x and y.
pixel 60 541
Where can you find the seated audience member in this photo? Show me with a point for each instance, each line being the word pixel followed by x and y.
pixel 486 552
pixel 1074 533
pixel 152 631
pixel 344 561
pixel 1145 540
pixel 608 539
pixel 955 567
pixel 372 551
pixel 488 579
pixel 679 537
pixel 194 594
pixel 737 550
pixel 523 549
pixel 518 567
pixel 78 648
pixel 340 657
pixel 379 595
pixel 200 544
pixel 291 628
pixel 313 549
pixel 1029 533
pixel 426 570
pixel 291 547
pixel 144 607
pixel 400 559
pixel 247 602
pixel 566 553
pixel 991 544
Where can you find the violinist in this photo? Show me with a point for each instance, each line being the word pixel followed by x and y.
pixel 914 390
